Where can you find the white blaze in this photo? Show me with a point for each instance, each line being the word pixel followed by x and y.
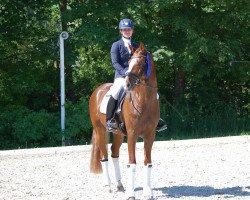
pixel 131 64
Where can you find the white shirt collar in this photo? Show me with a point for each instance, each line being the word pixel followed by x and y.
pixel 126 41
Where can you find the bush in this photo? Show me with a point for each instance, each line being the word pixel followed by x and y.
pixel 78 127
pixel 37 129
pixel 21 127
pixel 8 117
pixel 186 122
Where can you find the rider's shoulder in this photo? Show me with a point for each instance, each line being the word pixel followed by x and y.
pixel 117 44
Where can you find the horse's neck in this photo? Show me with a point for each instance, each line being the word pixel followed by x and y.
pixel 145 92
pixel 152 77
pixel 151 81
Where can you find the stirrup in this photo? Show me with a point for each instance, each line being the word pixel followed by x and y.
pixel 161 126
pixel 111 125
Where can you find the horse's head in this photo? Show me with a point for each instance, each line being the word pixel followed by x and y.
pixel 138 67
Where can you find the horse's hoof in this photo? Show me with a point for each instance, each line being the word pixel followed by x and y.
pixel 107 188
pixel 148 193
pixel 148 198
pixel 131 198
pixel 120 188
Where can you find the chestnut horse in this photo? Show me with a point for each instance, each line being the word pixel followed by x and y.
pixel 140 113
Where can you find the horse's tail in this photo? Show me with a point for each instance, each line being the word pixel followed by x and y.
pixel 95 164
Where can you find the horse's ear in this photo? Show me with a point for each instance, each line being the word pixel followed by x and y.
pixel 132 49
pixel 142 47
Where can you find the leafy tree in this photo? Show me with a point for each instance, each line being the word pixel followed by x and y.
pixel 200 50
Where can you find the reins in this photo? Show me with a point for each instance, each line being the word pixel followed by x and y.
pixel 132 102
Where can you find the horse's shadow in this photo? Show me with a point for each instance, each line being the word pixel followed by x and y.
pixel 201 191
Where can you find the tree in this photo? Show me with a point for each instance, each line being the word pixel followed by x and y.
pixel 193 43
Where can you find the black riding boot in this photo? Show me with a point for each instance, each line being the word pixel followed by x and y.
pixel 161 126
pixel 111 124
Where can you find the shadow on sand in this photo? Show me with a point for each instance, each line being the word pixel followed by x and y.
pixel 202 191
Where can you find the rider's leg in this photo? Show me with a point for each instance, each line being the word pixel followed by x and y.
pixel 110 113
pixel 114 91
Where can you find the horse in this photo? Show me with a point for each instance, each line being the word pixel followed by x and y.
pixel 140 114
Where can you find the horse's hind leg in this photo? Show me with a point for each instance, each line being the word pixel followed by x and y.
pixel 102 140
pixel 115 149
pixel 147 189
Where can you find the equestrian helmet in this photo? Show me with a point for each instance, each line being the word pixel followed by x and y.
pixel 126 23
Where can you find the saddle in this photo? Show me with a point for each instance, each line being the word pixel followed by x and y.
pixel 117 117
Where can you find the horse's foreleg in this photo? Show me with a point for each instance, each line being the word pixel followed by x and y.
pixel 130 191
pixel 119 185
pixel 117 142
pixel 106 178
pixel 147 189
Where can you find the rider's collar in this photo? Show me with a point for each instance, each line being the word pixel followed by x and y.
pixel 126 40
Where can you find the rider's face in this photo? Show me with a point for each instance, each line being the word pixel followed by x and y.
pixel 127 32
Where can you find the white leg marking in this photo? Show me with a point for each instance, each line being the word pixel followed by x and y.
pixel 147 190
pixel 130 190
pixel 106 178
pixel 117 171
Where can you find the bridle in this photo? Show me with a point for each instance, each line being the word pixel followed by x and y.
pixel 136 79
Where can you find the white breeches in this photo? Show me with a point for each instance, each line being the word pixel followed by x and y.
pixel 119 83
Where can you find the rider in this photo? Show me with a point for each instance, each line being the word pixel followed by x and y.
pixel 120 55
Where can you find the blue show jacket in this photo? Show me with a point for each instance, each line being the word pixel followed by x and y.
pixel 120 57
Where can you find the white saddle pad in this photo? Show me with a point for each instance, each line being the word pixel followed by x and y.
pixel 104 103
